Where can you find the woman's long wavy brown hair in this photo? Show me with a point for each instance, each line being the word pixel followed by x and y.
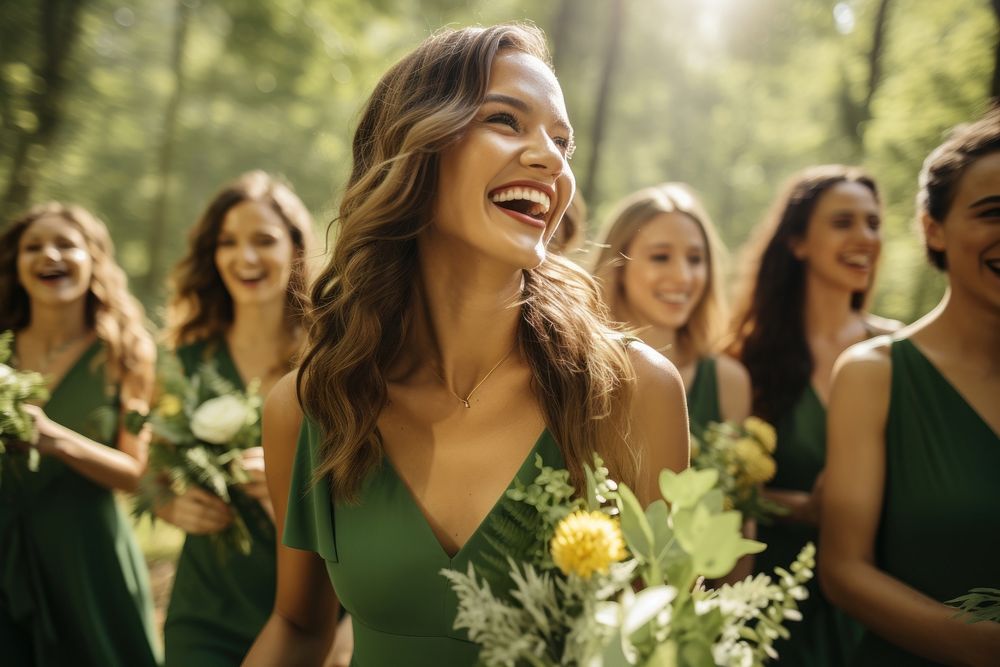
pixel 703 331
pixel 769 334
pixel 363 300
pixel 200 307
pixel 112 312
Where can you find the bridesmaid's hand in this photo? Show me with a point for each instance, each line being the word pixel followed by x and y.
pixel 197 512
pixel 48 431
pixel 253 463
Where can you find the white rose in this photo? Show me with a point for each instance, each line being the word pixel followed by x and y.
pixel 6 373
pixel 219 419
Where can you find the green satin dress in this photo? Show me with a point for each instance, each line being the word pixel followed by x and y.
pixel 825 636
pixel 74 589
pixel 218 605
pixel 703 396
pixel 384 560
pixel 939 532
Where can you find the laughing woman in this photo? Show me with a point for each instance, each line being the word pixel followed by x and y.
pixel 660 272
pixel 238 302
pixel 814 263
pixel 448 349
pixel 910 513
pixel 73 584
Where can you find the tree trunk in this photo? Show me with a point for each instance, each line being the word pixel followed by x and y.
pixel 611 55
pixel 58 31
pixel 562 28
pixel 165 159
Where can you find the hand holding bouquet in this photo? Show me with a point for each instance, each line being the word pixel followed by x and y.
pixel 16 389
pixel 201 428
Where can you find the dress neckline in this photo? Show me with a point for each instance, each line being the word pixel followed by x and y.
pixel 526 464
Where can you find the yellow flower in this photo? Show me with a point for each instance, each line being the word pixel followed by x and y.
pixel 757 463
pixel 587 542
pixel 762 431
pixel 169 405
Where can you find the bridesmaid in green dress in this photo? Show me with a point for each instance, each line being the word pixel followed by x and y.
pixel 238 301
pixel 812 263
pixel 660 271
pixel 448 347
pixel 910 512
pixel 74 589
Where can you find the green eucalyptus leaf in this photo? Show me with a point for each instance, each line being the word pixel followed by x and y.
pixel 665 655
pixel 686 488
pixel 636 529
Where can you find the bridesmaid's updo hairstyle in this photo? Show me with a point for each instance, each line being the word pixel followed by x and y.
pixel 116 316
pixel 944 167
pixel 363 300
pixel 200 306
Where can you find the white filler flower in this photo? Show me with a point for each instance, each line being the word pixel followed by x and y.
pixel 218 420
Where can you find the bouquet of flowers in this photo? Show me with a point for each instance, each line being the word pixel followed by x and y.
pixel 742 455
pixel 978 605
pixel 16 389
pixel 200 427
pixel 596 581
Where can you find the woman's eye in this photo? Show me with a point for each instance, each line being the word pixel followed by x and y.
pixel 842 223
pixel 566 145
pixel 32 247
pixel 265 241
pixel 874 223
pixel 504 118
pixel 695 259
pixel 226 243
pixel 660 257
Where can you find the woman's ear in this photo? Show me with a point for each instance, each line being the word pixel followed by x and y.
pixel 933 232
pixel 796 245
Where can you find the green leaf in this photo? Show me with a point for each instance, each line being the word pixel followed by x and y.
pixel 688 487
pixel 665 655
pixel 636 529
pixel 713 541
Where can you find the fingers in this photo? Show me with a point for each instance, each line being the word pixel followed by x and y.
pixel 198 512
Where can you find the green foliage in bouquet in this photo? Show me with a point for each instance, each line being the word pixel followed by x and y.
pixel 578 561
pixel 978 605
pixel 16 389
pixel 742 456
pixel 200 427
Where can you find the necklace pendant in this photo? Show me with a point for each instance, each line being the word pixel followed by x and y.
pixel 465 402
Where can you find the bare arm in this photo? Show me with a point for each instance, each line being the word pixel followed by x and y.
pixel 659 423
pixel 852 505
pixel 301 627
pixel 113 468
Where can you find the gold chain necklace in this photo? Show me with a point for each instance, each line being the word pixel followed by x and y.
pixel 465 401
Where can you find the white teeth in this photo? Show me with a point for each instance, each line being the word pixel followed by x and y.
pixel 528 194
pixel 857 259
pixel 672 297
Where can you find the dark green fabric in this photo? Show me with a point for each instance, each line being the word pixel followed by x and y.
pixel 384 560
pixel 940 526
pixel 218 605
pixel 703 396
pixel 74 589
pixel 825 636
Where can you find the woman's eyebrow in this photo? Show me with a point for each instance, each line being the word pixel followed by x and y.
pixel 522 106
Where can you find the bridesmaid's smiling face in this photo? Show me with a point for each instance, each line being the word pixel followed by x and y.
pixel 54 265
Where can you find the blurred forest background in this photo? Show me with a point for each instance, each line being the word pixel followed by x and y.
pixel 141 109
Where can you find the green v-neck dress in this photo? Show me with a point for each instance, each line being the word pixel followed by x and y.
pixel 384 560
pixel 939 531
pixel 218 605
pixel 825 636
pixel 703 396
pixel 74 589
